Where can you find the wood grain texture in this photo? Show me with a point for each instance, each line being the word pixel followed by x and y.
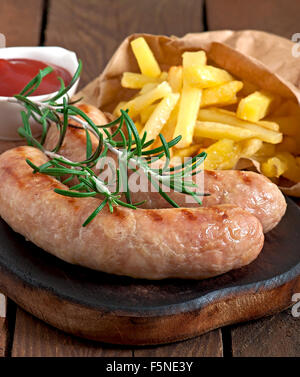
pixel 3 325
pixel 34 338
pixel 275 336
pixel 94 29
pixel 20 21
pixel 206 345
pixel 278 17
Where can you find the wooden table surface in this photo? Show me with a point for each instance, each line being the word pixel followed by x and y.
pixel 94 28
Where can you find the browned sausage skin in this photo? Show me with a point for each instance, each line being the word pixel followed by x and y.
pixel 248 190
pixel 139 243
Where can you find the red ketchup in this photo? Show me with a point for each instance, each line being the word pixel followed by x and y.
pixel 15 74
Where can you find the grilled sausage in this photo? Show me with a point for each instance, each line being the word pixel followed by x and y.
pixel 190 243
pixel 248 190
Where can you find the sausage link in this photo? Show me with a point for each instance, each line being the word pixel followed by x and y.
pixel 249 190
pixel 193 243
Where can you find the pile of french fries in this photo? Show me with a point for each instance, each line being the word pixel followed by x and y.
pixel 214 112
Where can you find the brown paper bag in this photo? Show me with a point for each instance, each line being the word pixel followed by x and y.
pixel 263 59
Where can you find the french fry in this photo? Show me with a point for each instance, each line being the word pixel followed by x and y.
pixel 293 170
pixel 205 76
pixel 120 105
pixel 160 115
pixel 250 147
pixel 218 131
pixel 163 76
pixel 187 114
pixel 228 117
pixel 224 94
pixel 269 125
pixel 266 150
pixel 283 163
pixel 139 103
pixel 255 106
pixel 145 58
pixel 203 141
pixel 288 144
pixel 175 78
pixel 147 87
pixel 193 58
pixel 273 167
pixel 138 126
pixel 146 113
pixel 252 123
pixel 186 152
pixel 224 154
pixel 136 80
pixel 289 125
pixel 168 129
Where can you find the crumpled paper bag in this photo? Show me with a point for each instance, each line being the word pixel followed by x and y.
pixel 263 59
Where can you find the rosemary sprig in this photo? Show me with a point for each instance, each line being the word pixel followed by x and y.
pixel 133 151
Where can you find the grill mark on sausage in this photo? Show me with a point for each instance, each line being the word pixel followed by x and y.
pixel 119 214
pixel 224 216
pixel 72 202
pixel 22 183
pixel 74 130
pixel 21 148
pixel 10 172
pixel 245 177
pixel 189 214
pixel 221 213
pixel 211 173
pixel 155 216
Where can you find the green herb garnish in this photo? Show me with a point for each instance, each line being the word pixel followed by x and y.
pixel 133 152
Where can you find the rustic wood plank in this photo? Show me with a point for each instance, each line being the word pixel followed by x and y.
pixel 21 21
pixel 3 325
pixel 206 345
pixel 34 338
pixel 273 16
pixel 94 29
pixel 278 335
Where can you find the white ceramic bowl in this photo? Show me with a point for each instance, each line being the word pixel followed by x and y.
pixel 10 118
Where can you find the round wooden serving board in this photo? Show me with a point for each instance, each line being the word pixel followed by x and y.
pixel 122 310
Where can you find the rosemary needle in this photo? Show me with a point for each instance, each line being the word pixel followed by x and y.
pixel 133 151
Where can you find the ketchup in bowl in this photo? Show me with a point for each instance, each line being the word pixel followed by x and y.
pixel 15 74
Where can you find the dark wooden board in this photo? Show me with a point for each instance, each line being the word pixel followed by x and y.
pixel 127 311
pixel 34 338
